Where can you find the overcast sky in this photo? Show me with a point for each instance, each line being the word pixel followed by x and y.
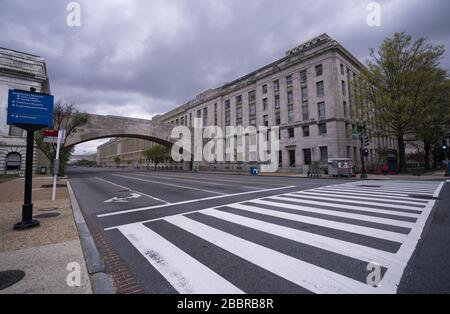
pixel 139 58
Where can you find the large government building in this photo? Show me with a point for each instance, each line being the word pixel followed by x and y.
pixel 307 93
pixel 23 71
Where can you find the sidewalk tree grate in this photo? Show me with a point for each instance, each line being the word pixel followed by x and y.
pixel 48 186
pixel 10 277
pixel 48 215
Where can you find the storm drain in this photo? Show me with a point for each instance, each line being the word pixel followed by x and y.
pixel 10 277
pixel 48 186
pixel 48 215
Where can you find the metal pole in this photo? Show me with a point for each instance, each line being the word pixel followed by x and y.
pixel 56 163
pixel 27 208
pixel 363 163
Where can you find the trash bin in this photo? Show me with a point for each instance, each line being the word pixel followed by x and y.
pixel 253 171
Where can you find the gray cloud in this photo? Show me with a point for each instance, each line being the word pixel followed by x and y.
pixel 140 58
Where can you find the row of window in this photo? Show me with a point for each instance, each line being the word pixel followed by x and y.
pixel 307 156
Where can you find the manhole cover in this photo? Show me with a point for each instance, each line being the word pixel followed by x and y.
pixel 49 215
pixel 369 186
pixel 425 197
pixel 50 209
pixel 48 186
pixel 10 277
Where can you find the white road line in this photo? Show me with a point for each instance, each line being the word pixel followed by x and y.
pixel 362 217
pixel 332 204
pixel 376 233
pixel 393 276
pixel 391 191
pixel 309 276
pixel 209 182
pixel 169 184
pixel 354 190
pixel 192 201
pixel 124 187
pixel 373 195
pixel 307 197
pixel 356 251
pixel 183 272
pixel 439 189
pixel 385 200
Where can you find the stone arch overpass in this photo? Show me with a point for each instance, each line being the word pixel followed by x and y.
pixel 99 127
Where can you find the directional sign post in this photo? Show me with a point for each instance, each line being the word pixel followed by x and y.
pixel 30 111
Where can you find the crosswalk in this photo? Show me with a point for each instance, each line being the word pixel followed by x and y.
pixel 349 238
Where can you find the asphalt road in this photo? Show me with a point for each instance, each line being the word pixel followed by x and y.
pixel 216 233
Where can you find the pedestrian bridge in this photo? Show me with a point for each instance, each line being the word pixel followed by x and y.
pixel 99 127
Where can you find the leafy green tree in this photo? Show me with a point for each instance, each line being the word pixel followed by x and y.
pixel 158 154
pixel 65 116
pixel 397 76
pixel 117 161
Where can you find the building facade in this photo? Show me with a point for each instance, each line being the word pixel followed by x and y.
pixel 22 71
pixel 307 94
pixel 124 152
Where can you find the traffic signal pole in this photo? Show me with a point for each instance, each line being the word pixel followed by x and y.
pixel 363 134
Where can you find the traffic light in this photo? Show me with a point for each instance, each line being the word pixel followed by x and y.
pixel 444 144
pixel 366 152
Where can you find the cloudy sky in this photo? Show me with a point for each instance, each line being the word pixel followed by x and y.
pixel 139 58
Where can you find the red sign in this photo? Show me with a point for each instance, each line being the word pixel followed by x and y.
pixel 51 133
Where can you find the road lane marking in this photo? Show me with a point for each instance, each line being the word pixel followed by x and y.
pixel 169 184
pixel 337 246
pixel 184 202
pixel 130 190
pixel 367 231
pixel 439 189
pixel 309 276
pixel 183 272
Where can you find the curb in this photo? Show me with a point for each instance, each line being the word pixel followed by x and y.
pixel 100 281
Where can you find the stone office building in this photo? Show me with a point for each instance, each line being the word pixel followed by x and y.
pixel 124 152
pixel 22 71
pixel 307 93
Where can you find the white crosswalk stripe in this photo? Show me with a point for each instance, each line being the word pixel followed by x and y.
pixel 368 223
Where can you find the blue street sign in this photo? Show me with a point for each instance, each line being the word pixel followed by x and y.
pixel 29 108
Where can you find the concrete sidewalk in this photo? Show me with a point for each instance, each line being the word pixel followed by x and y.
pixel 49 254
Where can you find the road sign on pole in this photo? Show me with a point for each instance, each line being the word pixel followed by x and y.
pixel 59 140
pixel 51 136
pixel 30 111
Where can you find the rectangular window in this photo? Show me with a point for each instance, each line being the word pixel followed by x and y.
pixel 277 102
pixel 252 97
pixel 15 131
pixel 303 77
pixel 306 131
pixel 205 116
pixel 252 110
pixel 238 100
pixel 177 121
pixel 291 132
pixel 265 104
pixel 304 94
pixel 319 70
pixel 253 122
pixel 266 121
pixel 322 128
pixel 277 118
pixel 264 89
pixel 227 113
pixel 291 113
pixel 344 90
pixel 323 154
pixel 239 115
pixel 345 109
pixel 320 89
pixel 276 86
pixel 322 112
pixel 305 112
pixel 199 113
pixel 290 98
pixel 292 162
pixel 215 115
pixel 342 69
pixel 289 81
pixel 190 119
pixel 227 104
pixel 307 156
